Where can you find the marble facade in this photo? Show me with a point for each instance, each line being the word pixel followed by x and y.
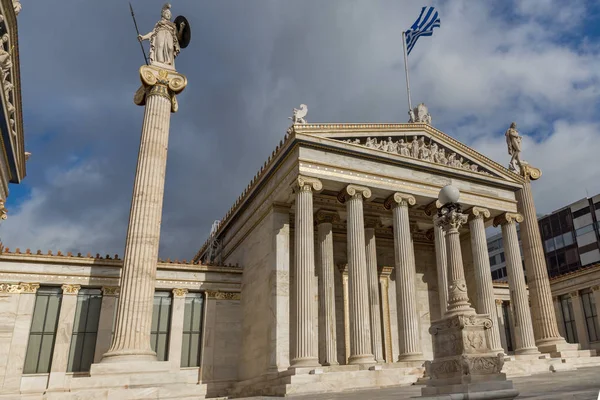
pixel 341 274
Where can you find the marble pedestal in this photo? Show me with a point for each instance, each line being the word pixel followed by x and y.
pixel 464 367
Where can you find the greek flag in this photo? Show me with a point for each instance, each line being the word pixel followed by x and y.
pixel 423 26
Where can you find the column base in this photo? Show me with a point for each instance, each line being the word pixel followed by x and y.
pixel 304 362
pixel 526 351
pixel 554 345
pixel 362 359
pixel 411 357
pixel 129 356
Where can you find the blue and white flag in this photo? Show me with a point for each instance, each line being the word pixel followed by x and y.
pixel 423 26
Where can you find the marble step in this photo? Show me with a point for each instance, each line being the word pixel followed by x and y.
pixel 573 354
pixel 167 392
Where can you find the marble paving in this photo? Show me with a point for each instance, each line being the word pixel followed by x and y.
pixel 581 384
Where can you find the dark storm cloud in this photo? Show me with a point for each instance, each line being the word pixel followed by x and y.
pixel 249 63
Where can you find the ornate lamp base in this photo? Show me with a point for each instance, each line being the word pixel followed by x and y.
pixel 463 361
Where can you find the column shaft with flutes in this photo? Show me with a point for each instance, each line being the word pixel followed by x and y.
pixel 516 282
pixel 134 312
pixel 485 302
pixel 360 329
pixel 305 351
pixel 327 321
pixel 373 280
pixel 439 238
pixel 547 336
pixel 408 317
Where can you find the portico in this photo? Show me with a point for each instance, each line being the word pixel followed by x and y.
pixel 360 211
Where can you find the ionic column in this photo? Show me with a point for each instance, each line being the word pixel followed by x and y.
pixel 344 272
pixel 26 293
pixel 547 336
pixel 458 299
pixel 360 330
pixel 327 322
pixel 516 282
pixel 110 294
pixel 305 350
pixel 176 331
pixel 484 303
pixel 580 325
pixel 559 319
pixel 408 317
pixel 62 343
pixel 373 281
pixel 138 275
pixel 500 322
pixel 439 238
pixel 384 281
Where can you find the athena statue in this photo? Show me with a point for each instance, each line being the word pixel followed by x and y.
pixel 164 39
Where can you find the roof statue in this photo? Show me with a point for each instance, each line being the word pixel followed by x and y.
pixel 17 6
pixel 419 114
pixel 299 114
pixel 167 38
pixel 215 227
pixel 513 141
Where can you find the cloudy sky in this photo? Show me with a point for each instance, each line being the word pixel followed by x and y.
pixel 249 63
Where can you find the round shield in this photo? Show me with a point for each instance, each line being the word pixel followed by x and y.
pixel 186 34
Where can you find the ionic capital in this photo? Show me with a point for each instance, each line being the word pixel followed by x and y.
pixel 353 191
pixel 372 222
pixel 530 173
pixel 3 210
pixel 70 289
pixel 179 292
pixel 507 218
pixel 29 287
pixel 574 294
pixel 343 268
pixel 430 234
pixel 110 290
pixel 159 82
pixel 307 184
pixel 385 272
pixel 326 217
pixel 499 302
pixel 399 199
pixel 595 288
pixel 478 212
pixel 431 209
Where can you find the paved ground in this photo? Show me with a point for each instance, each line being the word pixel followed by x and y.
pixel 582 384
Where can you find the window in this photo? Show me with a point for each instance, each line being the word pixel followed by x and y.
pixel 161 325
pixel 568 238
pixel 568 318
pixel 550 245
pixel 581 213
pixel 85 330
pixel 192 330
pixel 494 275
pixel 555 225
pixel 492 260
pixel 502 257
pixel 43 331
pixel 597 206
pixel 558 242
pixel 584 230
pixel 591 316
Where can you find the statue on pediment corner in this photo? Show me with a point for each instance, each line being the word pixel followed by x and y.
pixel 420 114
pixel 299 114
pixel 513 141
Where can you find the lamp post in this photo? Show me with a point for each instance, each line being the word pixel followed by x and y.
pixel 463 361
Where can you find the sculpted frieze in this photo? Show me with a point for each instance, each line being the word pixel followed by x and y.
pixel 421 148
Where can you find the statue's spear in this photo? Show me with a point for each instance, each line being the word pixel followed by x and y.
pixel 138 32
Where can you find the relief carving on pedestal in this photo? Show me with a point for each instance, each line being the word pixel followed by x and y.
pixel 421 148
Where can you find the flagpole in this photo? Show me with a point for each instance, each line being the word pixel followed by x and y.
pixel 406 69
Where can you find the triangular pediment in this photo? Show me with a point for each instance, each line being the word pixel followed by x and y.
pixel 412 141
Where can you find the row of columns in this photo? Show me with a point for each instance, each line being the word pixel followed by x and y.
pixel 365 335
pixel 364 326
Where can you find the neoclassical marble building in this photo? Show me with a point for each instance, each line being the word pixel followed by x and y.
pixel 325 275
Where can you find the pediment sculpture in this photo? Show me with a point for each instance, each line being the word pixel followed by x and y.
pixel 420 148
